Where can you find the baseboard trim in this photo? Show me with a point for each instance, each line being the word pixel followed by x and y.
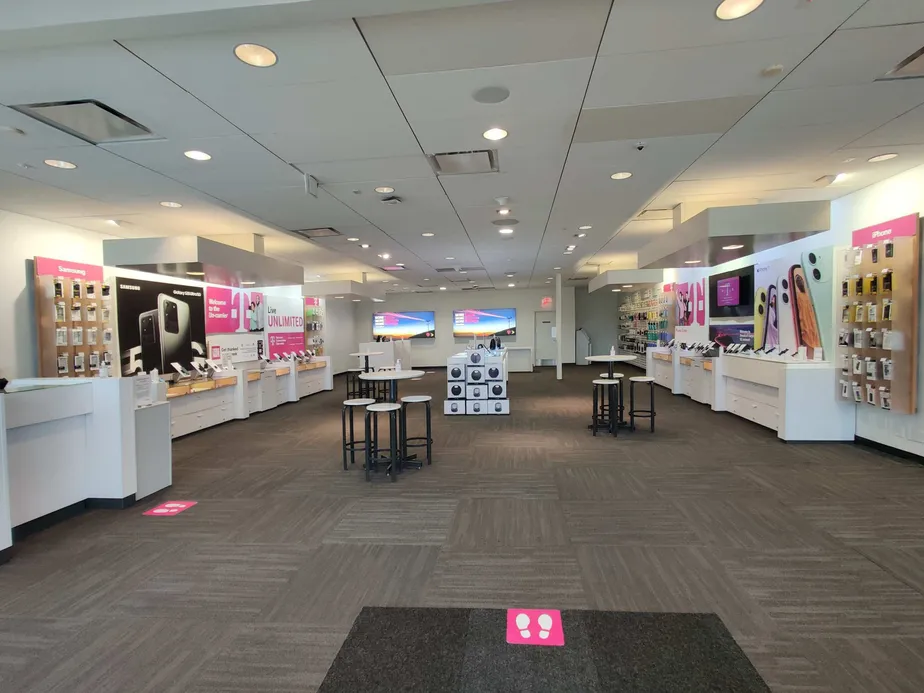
pixel 22 531
pixel 110 503
pixel 6 554
pixel 882 447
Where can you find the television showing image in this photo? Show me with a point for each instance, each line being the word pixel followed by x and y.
pixel 731 294
pixel 420 324
pixel 728 291
pixel 487 322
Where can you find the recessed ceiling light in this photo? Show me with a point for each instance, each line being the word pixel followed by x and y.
pixel 384 256
pixel 57 163
pixel 840 178
pixel 338 296
pixel 506 232
pixel 582 235
pixel 772 71
pixel 357 300
pixel 196 155
pixel 511 285
pixel 442 288
pixel 556 268
pixel 503 212
pixel 495 134
pixel 450 258
pixel 426 279
pixel 567 252
pixel 627 286
pixel 196 274
pixel 171 205
pixel 463 272
pixel 735 9
pixel 584 228
pixel 364 246
pixel 733 247
pixel 616 291
pixel 571 247
pixel 549 278
pixel 255 55
pixel 849 159
pixel 399 264
pixel 881 157
pixel 622 175
pixel 352 240
pixel 428 234
pixel 692 262
pixel 384 189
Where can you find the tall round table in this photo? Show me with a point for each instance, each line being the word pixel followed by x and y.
pixel 610 359
pixel 392 378
pixel 367 354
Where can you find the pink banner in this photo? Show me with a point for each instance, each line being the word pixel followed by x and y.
pixel 897 228
pixel 280 342
pixel 46 266
pixel 222 310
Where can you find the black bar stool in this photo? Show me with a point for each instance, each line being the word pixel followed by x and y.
pixel 355 386
pixel 415 441
pixel 620 408
pixel 350 444
pixel 373 457
pixel 641 413
pixel 609 392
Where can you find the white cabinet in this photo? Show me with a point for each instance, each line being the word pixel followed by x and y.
pixel 199 410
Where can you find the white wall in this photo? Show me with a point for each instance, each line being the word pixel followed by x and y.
pixel 598 313
pixel 434 352
pixel 22 239
pixel 340 338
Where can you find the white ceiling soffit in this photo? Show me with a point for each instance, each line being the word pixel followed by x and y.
pixel 701 238
pixel 346 288
pixel 218 263
pixel 619 278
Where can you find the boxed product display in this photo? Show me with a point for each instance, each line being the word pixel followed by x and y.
pixel 476 383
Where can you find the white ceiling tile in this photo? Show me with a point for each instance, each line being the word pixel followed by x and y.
pixel 360 141
pixel 507 33
pixel 884 12
pixel 373 172
pixel 907 128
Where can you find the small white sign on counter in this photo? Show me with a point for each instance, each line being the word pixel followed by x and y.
pixel 143 390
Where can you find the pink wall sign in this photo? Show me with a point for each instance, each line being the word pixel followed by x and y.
pixel 902 227
pixel 170 508
pixel 535 627
pixel 222 309
pixel 46 266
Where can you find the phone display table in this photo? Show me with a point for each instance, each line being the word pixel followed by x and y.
pixel 280 382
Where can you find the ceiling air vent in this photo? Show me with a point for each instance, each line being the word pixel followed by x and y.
pixel 391 200
pixel 89 120
pixel 463 163
pixel 911 67
pixel 325 232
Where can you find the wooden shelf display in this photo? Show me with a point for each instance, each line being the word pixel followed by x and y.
pixel 877 316
pixel 74 318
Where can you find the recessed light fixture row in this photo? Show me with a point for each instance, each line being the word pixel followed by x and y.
pixel 494 134
pixel 58 163
pixel 428 234
pixel 881 157
pixel 505 231
pixel 737 246
pixel 352 239
pixel 621 175
pixel 255 55
pixel 442 288
pixel 385 190
pixel 736 9
pixel 584 228
pixel 196 155
pixel 582 235
pixel 616 291
pixel 692 262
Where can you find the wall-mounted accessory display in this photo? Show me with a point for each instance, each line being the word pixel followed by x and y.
pixel 487 322
pixel 314 325
pixel 648 318
pixel 71 307
pixel 407 325
pixel 158 323
pixel 879 313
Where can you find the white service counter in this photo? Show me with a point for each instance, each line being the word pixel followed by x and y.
pixel 69 443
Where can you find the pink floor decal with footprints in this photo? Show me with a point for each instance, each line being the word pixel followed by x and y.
pixel 535 627
pixel 170 508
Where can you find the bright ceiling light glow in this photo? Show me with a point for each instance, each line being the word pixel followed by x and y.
pixel 196 274
pixel 584 228
pixel 733 247
pixel 503 212
pixel 357 300
pixel 442 288
pixel 338 296
pixel 463 271
pixel 567 252
pixel 582 235
pixel 426 279
pixel 627 286
pixel 196 155
pixel 450 258
pixel 495 134
pixel 736 9
pixel 511 285
pixel 352 239
pixel 506 232
pixel 57 163
pixel 840 178
pixel 113 222
pixel 171 205
pixel 556 268
pixel 364 246
pixel 692 262
pixel 399 264
pixel 255 55
pixel 881 157
pixel 622 175
pixel 428 234
pixel 384 189
pixel 385 256
pixel 616 291
pixel 248 283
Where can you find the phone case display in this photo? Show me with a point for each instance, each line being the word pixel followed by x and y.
pixel 314 325
pixel 72 309
pixel 646 318
pixel 878 330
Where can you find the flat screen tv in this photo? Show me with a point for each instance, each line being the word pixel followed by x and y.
pixel 484 322
pixel 414 324
pixel 731 294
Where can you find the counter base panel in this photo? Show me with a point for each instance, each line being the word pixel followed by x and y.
pixel 22 531
pixel 110 503
pixel 6 554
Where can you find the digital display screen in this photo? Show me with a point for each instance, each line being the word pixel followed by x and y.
pixel 487 322
pixel 728 291
pixel 419 324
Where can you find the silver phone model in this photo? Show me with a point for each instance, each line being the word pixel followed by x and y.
pixel 175 337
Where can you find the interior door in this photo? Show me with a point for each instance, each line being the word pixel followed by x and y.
pixel 546 349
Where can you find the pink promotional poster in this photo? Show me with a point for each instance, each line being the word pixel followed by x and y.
pixel 230 310
pixel 46 266
pixel 285 325
pixel 897 228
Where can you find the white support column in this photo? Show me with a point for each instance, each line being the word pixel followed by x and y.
pixel 559 337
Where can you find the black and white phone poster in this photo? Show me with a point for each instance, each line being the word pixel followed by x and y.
pixel 159 324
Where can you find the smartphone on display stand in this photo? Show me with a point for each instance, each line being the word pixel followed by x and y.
pixel 199 369
pixel 214 366
pixel 151 354
pixel 178 367
pixel 175 339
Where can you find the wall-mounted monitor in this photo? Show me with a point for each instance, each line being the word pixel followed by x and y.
pixel 731 294
pixel 413 324
pixel 487 322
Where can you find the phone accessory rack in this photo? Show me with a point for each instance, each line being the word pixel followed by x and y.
pixel 877 340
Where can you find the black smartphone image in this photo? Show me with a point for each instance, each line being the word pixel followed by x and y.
pixel 889 249
pixel 175 340
pixel 875 254
pixel 887 281
pixel 149 332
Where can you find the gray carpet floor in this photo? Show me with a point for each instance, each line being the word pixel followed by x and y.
pixel 811 555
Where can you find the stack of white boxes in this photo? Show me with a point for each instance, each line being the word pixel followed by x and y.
pixel 476 383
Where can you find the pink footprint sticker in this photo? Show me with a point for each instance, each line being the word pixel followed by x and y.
pixel 170 508
pixel 535 627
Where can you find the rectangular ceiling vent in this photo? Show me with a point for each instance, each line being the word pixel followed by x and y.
pixel 90 120
pixel 445 270
pixel 911 67
pixel 325 232
pixel 423 291
pixel 478 288
pixel 464 163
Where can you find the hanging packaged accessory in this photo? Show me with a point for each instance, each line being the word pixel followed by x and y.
pixel 94 360
pixel 871 394
pixel 857 285
pixel 75 312
pixel 61 336
pixel 858 338
pixel 874 251
pixel 845 389
pixel 859 312
pixel 62 364
pixel 887 309
pixel 886 280
pixel 59 287
pixel 857 392
pixel 887 369
pixel 857 365
pixel 889 249
pixel 871 312
pixel 886 342
pixel 871 370
pixel 885 398
pixel 91 336
pixel 60 312
pixel 872 338
pixel 77 336
pixel 75 288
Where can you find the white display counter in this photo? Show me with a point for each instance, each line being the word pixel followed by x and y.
pixel 68 444
pixel 519 359
pixel 797 399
